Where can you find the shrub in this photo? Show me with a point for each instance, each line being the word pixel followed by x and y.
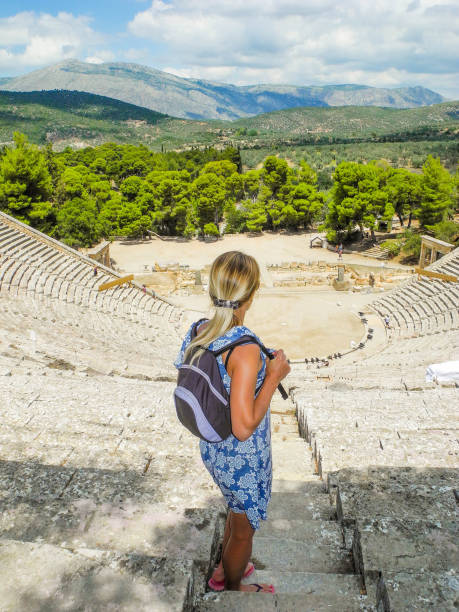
pixel 412 245
pixel 210 229
pixel 393 247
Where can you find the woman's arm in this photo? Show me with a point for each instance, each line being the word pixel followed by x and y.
pixel 247 411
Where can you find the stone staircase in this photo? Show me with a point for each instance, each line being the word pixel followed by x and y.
pixel 96 511
pixel 300 548
pixel 377 252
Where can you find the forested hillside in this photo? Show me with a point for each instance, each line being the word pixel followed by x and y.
pixel 82 196
pixel 324 136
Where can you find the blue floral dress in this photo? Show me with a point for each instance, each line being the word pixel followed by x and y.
pixel 242 470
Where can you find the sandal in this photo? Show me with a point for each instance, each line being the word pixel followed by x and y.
pixel 219 585
pixel 271 588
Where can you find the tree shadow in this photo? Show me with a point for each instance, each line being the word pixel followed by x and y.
pixel 100 539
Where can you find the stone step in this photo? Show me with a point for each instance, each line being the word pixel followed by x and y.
pixel 291 555
pixel 402 493
pixel 311 484
pixel 319 593
pixel 387 543
pixel 292 461
pixel 426 591
pixel 285 428
pixel 40 576
pixel 307 532
pixel 149 529
pixel 300 505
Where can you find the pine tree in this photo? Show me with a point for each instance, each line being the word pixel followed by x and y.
pixel 25 181
pixel 437 187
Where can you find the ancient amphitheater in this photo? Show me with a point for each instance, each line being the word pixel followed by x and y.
pixel 105 504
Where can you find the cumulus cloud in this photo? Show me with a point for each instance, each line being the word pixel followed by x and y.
pixel 100 57
pixel 29 39
pixel 306 41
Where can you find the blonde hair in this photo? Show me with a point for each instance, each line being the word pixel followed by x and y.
pixel 234 276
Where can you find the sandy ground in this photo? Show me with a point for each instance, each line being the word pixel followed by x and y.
pixel 305 322
pixel 268 248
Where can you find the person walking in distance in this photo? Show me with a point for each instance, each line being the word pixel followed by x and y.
pixel 241 465
pixel 340 251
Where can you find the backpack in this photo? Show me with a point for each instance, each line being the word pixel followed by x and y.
pixel 201 400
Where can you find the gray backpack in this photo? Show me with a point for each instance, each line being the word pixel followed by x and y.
pixel 201 400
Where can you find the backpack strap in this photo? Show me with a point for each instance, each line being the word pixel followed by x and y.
pixel 248 340
pixel 194 328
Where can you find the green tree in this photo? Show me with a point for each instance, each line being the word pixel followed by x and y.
pixel 131 187
pixel 307 174
pixel 72 184
pixel 412 244
pixel 256 216
pixel 224 168
pixel 358 198
pixel 209 193
pixel 308 203
pixel 77 222
pixel 275 174
pixel 236 217
pixel 251 181
pixel 446 230
pixel 25 182
pixel 437 186
pixel 171 206
pixel 404 189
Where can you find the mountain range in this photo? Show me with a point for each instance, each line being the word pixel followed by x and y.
pixel 198 99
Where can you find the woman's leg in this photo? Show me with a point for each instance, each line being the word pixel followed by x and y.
pixel 218 573
pixel 237 553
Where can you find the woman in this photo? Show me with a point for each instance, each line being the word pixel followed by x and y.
pixel 240 465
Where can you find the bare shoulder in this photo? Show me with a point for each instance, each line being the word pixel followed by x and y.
pixel 244 357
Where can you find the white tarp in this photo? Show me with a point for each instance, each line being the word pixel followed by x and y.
pixel 443 372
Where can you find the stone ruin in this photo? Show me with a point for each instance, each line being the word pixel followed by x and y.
pixel 104 501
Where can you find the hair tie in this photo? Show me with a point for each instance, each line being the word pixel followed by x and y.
pixel 225 303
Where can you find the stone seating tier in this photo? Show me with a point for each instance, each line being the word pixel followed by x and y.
pixel 386 443
pixel 31 262
pixel 423 306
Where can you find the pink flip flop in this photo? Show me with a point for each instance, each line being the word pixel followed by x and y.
pixel 219 585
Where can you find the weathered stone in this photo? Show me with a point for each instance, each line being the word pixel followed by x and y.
pixel 125 527
pixel 305 506
pixel 289 555
pixel 43 577
pixel 424 591
pixel 402 493
pixel 309 533
pixel 402 544
pixel 317 594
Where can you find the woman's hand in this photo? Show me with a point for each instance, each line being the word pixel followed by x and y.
pixel 279 367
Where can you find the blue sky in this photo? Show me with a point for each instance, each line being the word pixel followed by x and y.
pixel 302 42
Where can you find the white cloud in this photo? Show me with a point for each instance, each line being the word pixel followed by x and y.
pixel 100 57
pixel 29 39
pixel 307 41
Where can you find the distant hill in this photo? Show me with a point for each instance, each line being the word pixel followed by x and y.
pixel 72 117
pixel 354 123
pixel 199 99
pixel 81 119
